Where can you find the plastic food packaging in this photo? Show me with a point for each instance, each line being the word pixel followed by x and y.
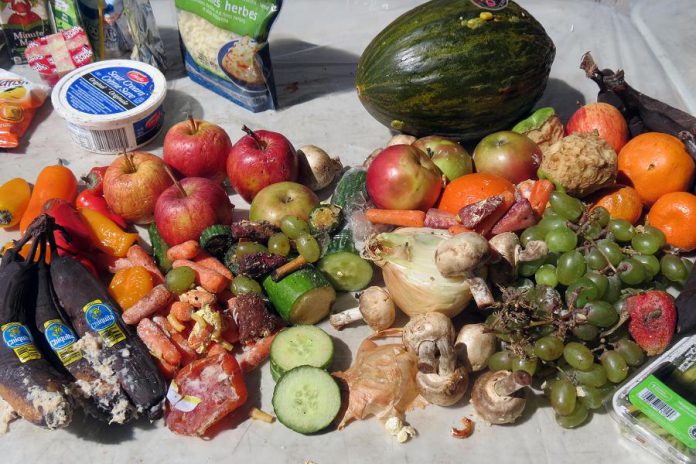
pixel 55 55
pixel 225 47
pixel 65 14
pixel 656 408
pixel 19 99
pixel 112 106
pixel 23 21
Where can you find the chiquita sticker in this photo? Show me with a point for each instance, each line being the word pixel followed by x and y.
pixel 17 338
pixel 492 5
pixel 102 319
pixel 62 339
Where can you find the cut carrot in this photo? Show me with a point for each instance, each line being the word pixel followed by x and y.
pixel 539 197
pixel 211 262
pixel 186 250
pixel 181 311
pixel 139 257
pixel 458 229
pixel 210 280
pixel 396 217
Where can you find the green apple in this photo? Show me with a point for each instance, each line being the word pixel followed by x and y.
pixel 281 199
pixel 452 159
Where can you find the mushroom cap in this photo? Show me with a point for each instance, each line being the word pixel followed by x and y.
pixel 475 345
pixel 443 390
pixel 503 246
pixel 492 407
pixel 377 308
pixel 429 327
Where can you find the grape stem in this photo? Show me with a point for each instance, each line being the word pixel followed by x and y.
pixel 289 267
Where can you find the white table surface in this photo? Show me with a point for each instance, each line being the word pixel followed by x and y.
pixel 315 46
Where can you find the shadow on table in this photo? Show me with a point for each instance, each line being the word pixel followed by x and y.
pixel 172 50
pixel 304 71
pixel 87 428
pixel 562 97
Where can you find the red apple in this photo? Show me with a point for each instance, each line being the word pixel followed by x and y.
pixel 452 159
pixel 508 154
pixel 282 199
pixel 196 148
pixel 185 209
pixel 133 183
pixel 605 119
pixel 403 177
pixel 258 159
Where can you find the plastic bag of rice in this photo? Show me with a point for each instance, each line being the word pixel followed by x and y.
pixel 225 46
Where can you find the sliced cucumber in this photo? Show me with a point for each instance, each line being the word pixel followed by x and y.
pixel 216 240
pixel 301 345
pixel 325 219
pixel 276 373
pixel 303 297
pixel 306 399
pixel 346 271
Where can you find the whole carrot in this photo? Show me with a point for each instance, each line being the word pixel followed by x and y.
pixel 396 217
pixel 53 182
pixel 539 197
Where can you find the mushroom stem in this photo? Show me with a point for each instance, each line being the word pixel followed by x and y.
pixel 480 291
pixel 448 359
pixel 512 382
pixel 339 320
pixel 427 362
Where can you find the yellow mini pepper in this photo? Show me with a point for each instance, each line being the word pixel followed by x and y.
pixel 112 239
pixel 14 199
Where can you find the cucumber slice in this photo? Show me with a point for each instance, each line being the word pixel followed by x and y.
pixel 216 240
pixel 346 271
pixel 276 373
pixel 325 219
pixel 303 297
pixel 301 345
pixel 306 399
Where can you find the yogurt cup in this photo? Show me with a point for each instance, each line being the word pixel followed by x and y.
pixel 112 106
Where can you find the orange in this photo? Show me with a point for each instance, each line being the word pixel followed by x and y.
pixel 471 188
pixel 655 164
pixel 622 203
pixel 675 215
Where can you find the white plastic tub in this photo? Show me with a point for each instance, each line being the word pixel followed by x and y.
pixel 112 106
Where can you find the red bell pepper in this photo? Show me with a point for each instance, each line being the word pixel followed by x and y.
pixel 76 236
pixel 95 201
pixel 95 179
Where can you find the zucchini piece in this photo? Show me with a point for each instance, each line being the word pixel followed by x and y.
pixel 159 249
pixel 306 399
pixel 346 271
pixel 351 189
pixel 325 219
pixel 303 297
pixel 216 240
pixel 301 345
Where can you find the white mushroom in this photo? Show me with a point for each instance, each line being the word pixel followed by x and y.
pixel 401 139
pixel 493 396
pixel 474 345
pixel 375 307
pixel 316 168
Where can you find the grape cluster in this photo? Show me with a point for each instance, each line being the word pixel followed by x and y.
pixel 562 321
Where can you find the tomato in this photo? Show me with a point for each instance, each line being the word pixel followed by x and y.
pixel 216 384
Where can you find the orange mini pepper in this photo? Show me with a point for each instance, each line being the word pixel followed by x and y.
pixel 14 199
pixel 53 182
pixel 129 285
pixel 110 237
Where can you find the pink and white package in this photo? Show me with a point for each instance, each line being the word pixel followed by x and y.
pixel 55 55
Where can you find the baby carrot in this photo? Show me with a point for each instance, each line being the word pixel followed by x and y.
pixel 458 229
pixel 539 197
pixel 396 217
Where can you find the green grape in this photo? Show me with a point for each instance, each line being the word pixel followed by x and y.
pixel 308 247
pixel 293 227
pixel 601 215
pixel 528 268
pixel 243 284
pixel 650 264
pixel 571 266
pixel 561 240
pixel 673 268
pixel 600 281
pixel 180 279
pixel 601 314
pixel 578 356
pixel 613 293
pixel 279 244
pixel 595 259
pixel 632 353
pixel 566 206
pixel 575 418
pixel 611 250
pixel 550 212
pixel 689 265
pixel 649 241
pixel 615 366
pixel 552 259
pixel 631 272
pixel 592 230
pixel 247 248
pixel 529 365
pixel 523 282
pixel 586 332
pixel 581 291
pixel 531 233
pixel 500 361
pixel 595 376
pixel 592 397
pixel 563 396
pixel 546 275
pixel 621 229
pixel 548 348
pixel 548 224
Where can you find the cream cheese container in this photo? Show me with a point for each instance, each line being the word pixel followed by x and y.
pixel 111 106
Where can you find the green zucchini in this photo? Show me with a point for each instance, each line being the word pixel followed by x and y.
pixel 325 219
pixel 306 399
pixel 159 249
pixel 300 345
pixel 303 297
pixel 351 189
pixel 216 240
